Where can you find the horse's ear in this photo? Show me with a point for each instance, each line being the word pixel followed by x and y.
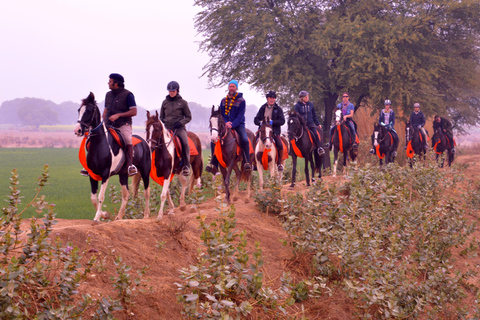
pixel 148 114
pixel 213 108
pixel 156 114
pixel 91 96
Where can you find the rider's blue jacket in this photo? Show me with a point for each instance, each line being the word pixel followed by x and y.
pixel 391 118
pixel 417 119
pixel 308 113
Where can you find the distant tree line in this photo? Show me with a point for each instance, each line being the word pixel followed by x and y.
pixel 34 112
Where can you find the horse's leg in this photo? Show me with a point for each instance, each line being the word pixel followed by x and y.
pixel 135 185
pixel 163 197
pixel 249 180
pixel 294 170
pixel 260 176
pixel 184 182
pixel 101 198
pixel 335 161
pixel 238 174
pixel 307 175
pixel 345 158
pixel 124 185
pixel 93 194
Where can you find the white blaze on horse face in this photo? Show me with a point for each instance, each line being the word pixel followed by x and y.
pixel 375 141
pixel 214 133
pixel 268 140
pixel 338 116
pixel 150 136
pixel 78 129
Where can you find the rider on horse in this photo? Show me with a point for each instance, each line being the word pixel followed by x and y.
pixel 417 119
pixel 175 114
pixel 348 110
pixel 446 127
pixel 307 111
pixel 232 108
pixel 120 107
pixel 277 119
pixel 387 119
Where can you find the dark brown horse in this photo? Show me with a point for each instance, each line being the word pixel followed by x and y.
pixel 414 142
pixel 440 144
pixel 302 145
pixel 342 141
pixel 266 152
pixel 228 153
pixel 383 143
pixel 166 160
pixel 105 158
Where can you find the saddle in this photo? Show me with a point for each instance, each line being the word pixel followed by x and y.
pixel 117 137
pixel 178 145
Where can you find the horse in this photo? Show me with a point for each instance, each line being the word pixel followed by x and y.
pixel 105 157
pixel 266 152
pixel 414 143
pixel 228 153
pixel 166 160
pixel 342 141
pixel 440 144
pixel 383 143
pixel 302 145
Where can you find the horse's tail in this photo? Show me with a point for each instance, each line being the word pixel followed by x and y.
pixel 245 176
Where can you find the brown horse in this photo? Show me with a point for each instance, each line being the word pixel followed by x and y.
pixel 342 141
pixel 440 144
pixel 266 152
pixel 166 160
pixel 414 143
pixel 228 155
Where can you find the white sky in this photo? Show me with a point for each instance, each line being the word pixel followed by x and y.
pixel 60 50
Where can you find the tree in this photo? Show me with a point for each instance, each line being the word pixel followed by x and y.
pixel 406 51
pixel 31 115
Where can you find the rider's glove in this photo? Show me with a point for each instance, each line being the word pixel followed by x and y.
pixel 177 125
pixel 271 122
pixel 419 127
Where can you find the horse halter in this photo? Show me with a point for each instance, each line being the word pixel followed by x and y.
pixel 266 137
pixel 157 142
pixel 221 130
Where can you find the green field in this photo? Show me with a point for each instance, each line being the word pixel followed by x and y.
pixel 67 189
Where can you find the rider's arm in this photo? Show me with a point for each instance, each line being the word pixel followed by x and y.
pixel 314 116
pixel 392 119
pixel 259 117
pixel 423 120
pixel 280 121
pixel 240 115
pixel 186 113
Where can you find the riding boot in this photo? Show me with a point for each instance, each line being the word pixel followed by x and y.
pixel 185 163
pixel 132 170
pixel 246 156
pixel 212 167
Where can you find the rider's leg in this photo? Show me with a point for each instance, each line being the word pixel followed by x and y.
pixel 126 131
pixel 279 146
pixel 451 142
pixel 353 132
pixel 317 140
pixel 212 167
pixel 245 145
pixel 424 134
pixel 182 134
pixel 395 142
pixel 329 143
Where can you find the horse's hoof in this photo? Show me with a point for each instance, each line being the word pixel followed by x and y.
pixel 247 200
pixel 171 213
pixel 105 215
pixel 95 222
pixel 193 209
pixel 235 198
pixel 160 217
pixel 183 208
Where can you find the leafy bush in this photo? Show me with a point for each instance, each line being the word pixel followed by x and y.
pixel 386 236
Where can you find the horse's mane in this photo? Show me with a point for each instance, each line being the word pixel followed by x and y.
pixel 89 100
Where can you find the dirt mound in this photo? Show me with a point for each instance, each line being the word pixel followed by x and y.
pixel 171 244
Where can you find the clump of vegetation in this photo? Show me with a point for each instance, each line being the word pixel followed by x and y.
pixel 270 199
pixel 386 237
pixel 40 276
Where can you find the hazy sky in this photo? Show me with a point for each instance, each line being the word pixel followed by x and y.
pixel 60 50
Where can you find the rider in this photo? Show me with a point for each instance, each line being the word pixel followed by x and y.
pixel 120 107
pixel 307 111
pixel 348 109
pixel 232 108
pixel 447 128
pixel 175 114
pixel 277 119
pixel 417 119
pixel 387 119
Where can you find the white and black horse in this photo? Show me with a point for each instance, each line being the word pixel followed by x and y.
pixel 105 157
pixel 165 163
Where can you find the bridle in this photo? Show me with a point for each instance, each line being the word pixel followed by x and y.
pixel 158 142
pixel 293 134
pixel 263 135
pixel 379 130
pixel 93 118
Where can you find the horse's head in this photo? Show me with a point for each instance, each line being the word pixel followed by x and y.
pixel 379 132
pixel 266 133
pixel 154 130
pixel 217 125
pixel 296 124
pixel 338 117
pixel 88 115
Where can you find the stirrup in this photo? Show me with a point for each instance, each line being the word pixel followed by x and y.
pixel 185 171
pixel 320 151
pixel 327 145
pixel 84 173
pixel 394 153
pixel 453 150
pixel 132 170
pixel 372 151
pixel 247 166
pixel 280 168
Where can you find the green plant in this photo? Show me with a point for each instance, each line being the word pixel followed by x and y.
pixel 270 199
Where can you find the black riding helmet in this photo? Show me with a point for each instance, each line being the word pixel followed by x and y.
pixel 173 85
pixel 271 94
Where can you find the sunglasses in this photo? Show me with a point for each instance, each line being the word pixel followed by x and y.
pixel 345 97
